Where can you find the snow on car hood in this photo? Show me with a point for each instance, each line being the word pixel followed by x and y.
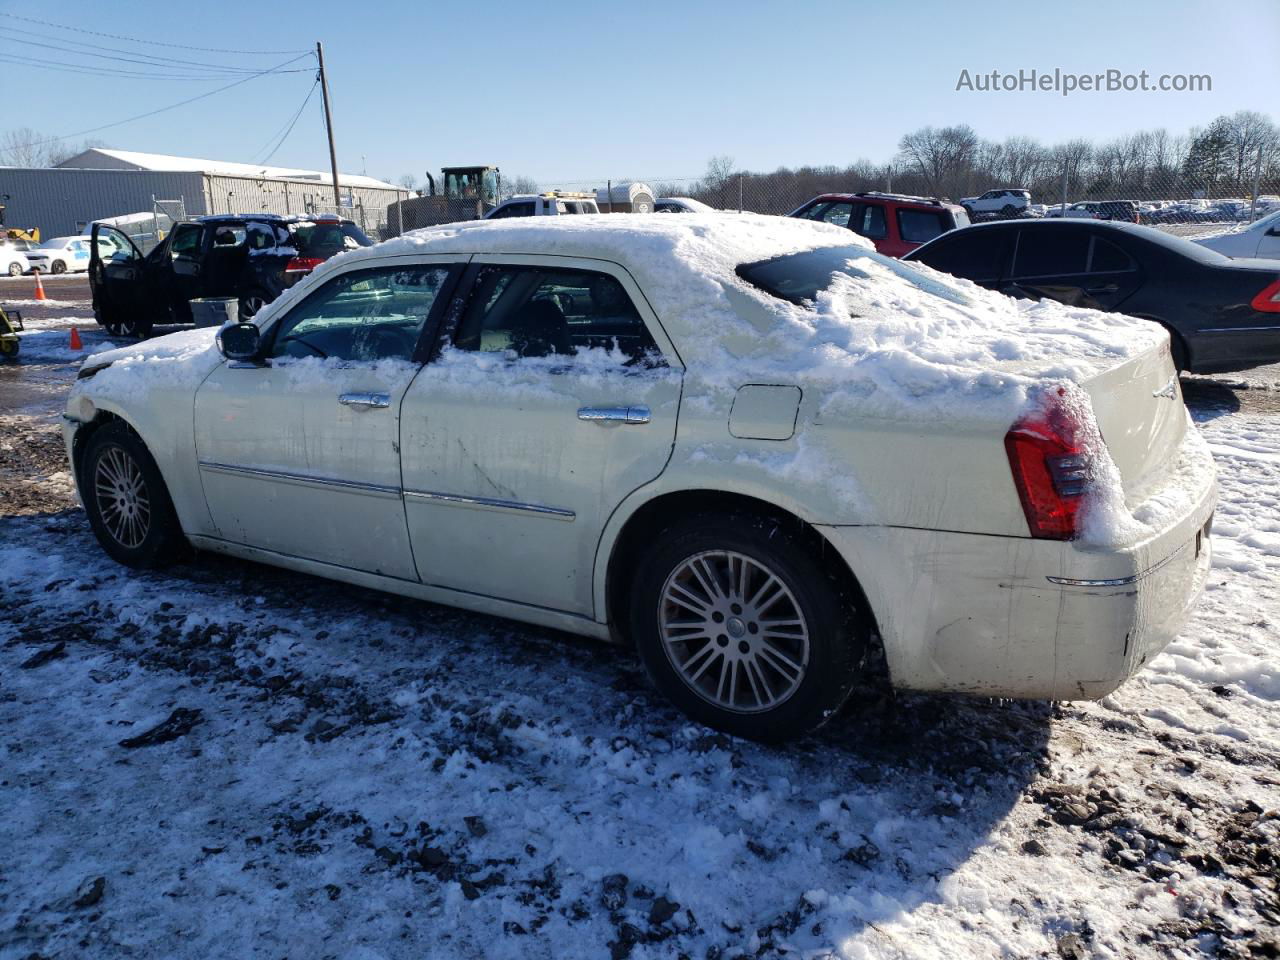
pixel 127 373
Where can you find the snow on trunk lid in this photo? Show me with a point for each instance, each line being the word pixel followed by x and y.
pixel 1138 407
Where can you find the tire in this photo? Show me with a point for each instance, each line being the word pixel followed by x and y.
pixel 136 326
pixel 1008 211
pixel 57 267
pixel 824 636
pixel 1178 347
pixel 15 269
pixel 126 499
pixel 251 303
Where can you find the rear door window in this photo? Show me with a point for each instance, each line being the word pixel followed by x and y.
pixel 1050 253
pixel 1106 257
pixel 979 256
pixel 920 226
pixel 528 312
pixel 869 221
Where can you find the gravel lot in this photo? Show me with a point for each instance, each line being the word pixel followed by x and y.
pixel 226 759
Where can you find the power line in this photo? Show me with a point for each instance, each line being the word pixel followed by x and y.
pixel 103 70
pixel 152 113
pixel 154 43
pixel 292 123
pixel 225 69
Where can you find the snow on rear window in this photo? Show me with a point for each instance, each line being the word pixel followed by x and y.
pixel 799 277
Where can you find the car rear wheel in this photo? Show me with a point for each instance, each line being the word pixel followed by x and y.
pixel 57 267
pixel 125 497
pixel 15 269
pixel 743 629
pixel 1008 211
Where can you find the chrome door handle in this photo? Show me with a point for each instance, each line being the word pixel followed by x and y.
pixel 614 414
pixel 377 401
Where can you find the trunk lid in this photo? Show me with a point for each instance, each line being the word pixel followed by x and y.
pixel 1139 409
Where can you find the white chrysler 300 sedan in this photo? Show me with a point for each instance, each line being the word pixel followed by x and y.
pixel 751 446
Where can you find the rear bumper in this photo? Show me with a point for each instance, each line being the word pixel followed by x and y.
pixel 1016 617
pixel 1224 351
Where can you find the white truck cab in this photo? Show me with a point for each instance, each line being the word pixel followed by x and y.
pixel 549 204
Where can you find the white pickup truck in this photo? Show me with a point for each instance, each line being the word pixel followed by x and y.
pixel 549 204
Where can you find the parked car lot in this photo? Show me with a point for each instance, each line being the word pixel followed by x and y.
pixel 1221 314
pixel 739 619
pixel 252 257
pixel 895 223
pixel 1123 210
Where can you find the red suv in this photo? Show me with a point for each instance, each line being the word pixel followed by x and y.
pixel 895 223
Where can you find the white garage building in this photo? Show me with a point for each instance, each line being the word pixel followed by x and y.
pixel 100 183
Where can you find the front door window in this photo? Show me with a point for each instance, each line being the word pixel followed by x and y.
pixel 365 315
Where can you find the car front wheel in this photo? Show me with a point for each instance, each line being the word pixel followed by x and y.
pixel 126 499
pixel 743 629
pixel 58 267
pixel 15 269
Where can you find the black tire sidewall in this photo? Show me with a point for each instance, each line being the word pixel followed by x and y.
pixel 57 267
pixel 164 538
pixel 836 639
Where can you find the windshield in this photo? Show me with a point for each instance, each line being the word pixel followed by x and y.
pixel 57 243
pixel 799 277
pixel 326 238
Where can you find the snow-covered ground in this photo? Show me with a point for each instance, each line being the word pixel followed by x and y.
pixel 361 777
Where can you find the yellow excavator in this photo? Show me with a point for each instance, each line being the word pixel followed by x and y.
pixel 29 234
pixel 10 323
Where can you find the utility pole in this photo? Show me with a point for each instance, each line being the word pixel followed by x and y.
pixel 328 123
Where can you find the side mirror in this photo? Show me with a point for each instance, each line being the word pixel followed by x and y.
pixel 239 341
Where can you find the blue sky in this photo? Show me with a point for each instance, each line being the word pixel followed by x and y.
pixel 562 91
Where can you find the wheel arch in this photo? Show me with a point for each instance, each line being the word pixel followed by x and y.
pixel 624 547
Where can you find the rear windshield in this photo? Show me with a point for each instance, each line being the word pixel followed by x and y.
pixel 799 277
pixel 327 238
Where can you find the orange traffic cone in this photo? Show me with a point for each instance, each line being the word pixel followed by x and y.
pixel 75 340
pixel 39 288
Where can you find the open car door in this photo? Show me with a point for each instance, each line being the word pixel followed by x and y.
pixel 117 280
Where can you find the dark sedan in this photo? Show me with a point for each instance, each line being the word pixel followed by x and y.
pixel 1221 314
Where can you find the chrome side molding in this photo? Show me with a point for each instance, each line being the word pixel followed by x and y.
pixel 303 478
pixel 489 503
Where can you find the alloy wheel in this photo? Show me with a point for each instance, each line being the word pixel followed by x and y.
pixel 121 495
pixel 733 631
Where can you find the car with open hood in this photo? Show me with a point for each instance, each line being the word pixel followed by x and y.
pixel 750 446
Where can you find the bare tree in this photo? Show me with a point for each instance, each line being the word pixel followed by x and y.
pixel 944 157
pixel 24 147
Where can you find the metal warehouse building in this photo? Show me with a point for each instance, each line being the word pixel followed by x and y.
pixel 101 183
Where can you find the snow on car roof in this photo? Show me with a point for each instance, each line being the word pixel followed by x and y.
pixel 908 335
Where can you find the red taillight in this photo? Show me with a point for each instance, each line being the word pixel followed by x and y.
pixel 1051 469
pixel 1268 301
pixel 302 264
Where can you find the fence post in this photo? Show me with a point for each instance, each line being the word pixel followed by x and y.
pixel 1065 175
pixel 1257 187
pixel 739 193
